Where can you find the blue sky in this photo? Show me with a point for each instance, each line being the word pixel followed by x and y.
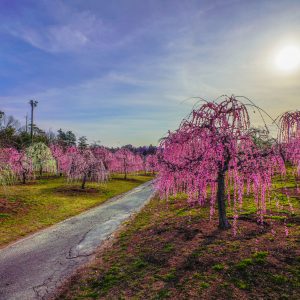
pixel 118 71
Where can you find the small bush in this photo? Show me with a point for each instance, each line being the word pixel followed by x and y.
pixel 162 294
pixel 243 264
pixel 218 267
pixel 169 277
pixel 280 279
pixel 204 285
pixel 242 285
pixel 139 264
pixel 260 257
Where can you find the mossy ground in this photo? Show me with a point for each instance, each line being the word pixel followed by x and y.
pixel 171 251
pixel 35 205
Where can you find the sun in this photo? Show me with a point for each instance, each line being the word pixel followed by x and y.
pixel 287 59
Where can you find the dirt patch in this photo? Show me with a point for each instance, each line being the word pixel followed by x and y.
pixel 11 207
pixel 291 192
pixel 31 182
pixel 75 191
pixel 128 179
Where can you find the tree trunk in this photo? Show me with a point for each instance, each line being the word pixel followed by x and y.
pixel 125 169
pixel 23 177
pixel 83 182
pixel 57 168
pixel 144 165
pixel 41 171
pixel 223 221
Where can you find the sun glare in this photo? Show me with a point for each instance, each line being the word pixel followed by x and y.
pixel 287 58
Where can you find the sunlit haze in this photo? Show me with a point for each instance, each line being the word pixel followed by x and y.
pixel 288 58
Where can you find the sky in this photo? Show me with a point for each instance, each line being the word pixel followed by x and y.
pixel 125 71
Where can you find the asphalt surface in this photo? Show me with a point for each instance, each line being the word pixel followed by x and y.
pixel 34 267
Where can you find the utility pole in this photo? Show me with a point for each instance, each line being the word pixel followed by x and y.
pixel 33 104
pixel 26 126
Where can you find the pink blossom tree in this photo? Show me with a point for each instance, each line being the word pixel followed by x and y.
pixel 139 164
pixel 151 163
pixel 103 154
pixel 213 150
pixel 289 138
pixel 143 152
pixel 84 166
pixel 24 167
pixel 7 174
pixel 19 163
pixel 61 159
pixel 125 162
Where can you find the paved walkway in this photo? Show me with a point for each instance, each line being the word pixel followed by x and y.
pixel 34 267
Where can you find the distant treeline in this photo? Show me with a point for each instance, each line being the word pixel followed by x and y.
pixel 13 134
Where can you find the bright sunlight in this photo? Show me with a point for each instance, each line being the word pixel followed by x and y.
pixel 287 58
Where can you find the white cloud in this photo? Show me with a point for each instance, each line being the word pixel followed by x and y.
pixel 72 32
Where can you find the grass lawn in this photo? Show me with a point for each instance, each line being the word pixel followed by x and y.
pixel 172 251
pixel 27 208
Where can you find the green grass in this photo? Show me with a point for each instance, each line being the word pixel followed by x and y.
pixel 51 200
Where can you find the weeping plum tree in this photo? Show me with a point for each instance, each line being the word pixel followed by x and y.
pixel 7 175
pixel 61 159
pixel 151 163
pixel 41 157
pixel 213 149
pixel 143 152
pixel 23 166
pixel 20 164
pixel 84 166
pixel 138 163
pixel 289 138
pixel 125 161
pixel 104 155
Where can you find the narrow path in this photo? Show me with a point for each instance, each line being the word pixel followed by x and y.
pixel 34 267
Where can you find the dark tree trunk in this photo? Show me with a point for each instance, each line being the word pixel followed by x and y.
pixel 282 154
pixel 125 169
pixel 57 169
pixel 23 177
pixel 83 182
pixel 41 171
pixel 144 165
pixel 223 221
